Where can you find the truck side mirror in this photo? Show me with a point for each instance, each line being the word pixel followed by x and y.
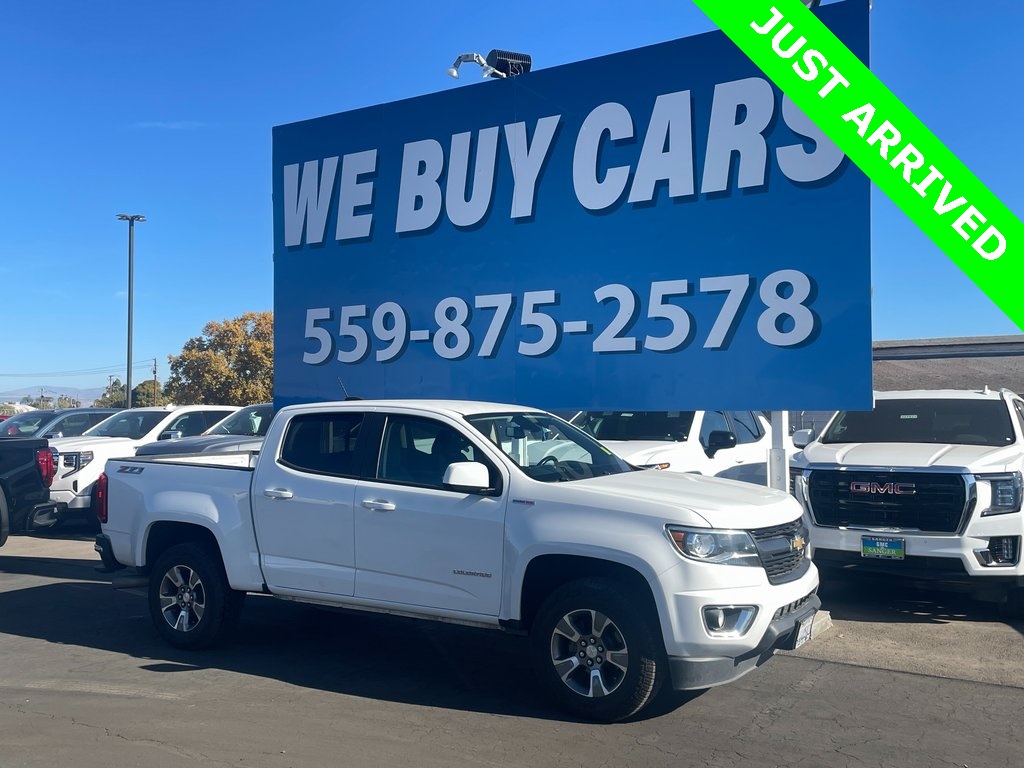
pixel 803 437
pixel 468 476
pixel 719 439
pixel 170 434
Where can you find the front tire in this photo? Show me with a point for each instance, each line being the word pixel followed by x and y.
pixel 190 600
pixel 594 650
pixel 1013 605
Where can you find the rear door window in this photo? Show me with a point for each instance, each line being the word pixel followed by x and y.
pixel 323 443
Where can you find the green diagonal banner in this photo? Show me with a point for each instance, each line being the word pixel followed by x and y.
pixel 895 149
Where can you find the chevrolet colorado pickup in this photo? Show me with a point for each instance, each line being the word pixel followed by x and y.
pixel 475 513
pixel 26 471
pixel 925 486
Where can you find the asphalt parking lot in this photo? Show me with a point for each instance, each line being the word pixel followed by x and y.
pixel 902 678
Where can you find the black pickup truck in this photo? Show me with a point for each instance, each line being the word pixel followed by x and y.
pixel 26 472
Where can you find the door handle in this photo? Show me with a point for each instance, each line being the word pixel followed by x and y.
pixel 379 505
pixel 277 493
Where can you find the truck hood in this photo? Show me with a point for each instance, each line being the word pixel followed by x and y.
pixel 679 498
pixel 639 451
pixel 69 444
pixel 978 458
pixel 202 444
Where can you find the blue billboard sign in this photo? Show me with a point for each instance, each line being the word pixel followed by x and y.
pixel 657 229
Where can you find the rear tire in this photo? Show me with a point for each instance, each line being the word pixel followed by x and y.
pixel 190 600
pixel 596 652
pixel 5 521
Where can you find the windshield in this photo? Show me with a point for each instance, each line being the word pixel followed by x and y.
pixel 959 422
pixel 24 424
pixel 670 426
pixel 127 424
pixel 546 448
pixel 252 421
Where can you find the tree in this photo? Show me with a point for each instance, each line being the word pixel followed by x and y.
pixel 148 393
pixel 232 363
pixel 113 395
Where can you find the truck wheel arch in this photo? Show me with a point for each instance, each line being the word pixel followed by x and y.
pixel 163 535
pixel 546 573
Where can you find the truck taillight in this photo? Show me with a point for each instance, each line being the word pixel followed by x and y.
pixel 44 458
pixel 99 497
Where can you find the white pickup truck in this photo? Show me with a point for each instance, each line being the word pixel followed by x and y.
pixel 79 460
pixel 925 486
pixel 476 513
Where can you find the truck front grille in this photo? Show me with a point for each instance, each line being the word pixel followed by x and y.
pixel 783 550
pixel 925 501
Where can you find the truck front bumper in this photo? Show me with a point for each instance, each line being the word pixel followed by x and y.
pixel 965 558
pixel 783 633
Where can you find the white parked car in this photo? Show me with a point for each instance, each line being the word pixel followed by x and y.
pixel 927 485
pixel 729 444
pixel 79 460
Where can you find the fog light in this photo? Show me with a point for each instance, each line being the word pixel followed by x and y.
pixel 1005 550
pixel 715 618
pixel 1001 551
pixel 728 620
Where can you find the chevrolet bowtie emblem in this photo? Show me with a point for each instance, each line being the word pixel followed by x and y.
pixel 798 543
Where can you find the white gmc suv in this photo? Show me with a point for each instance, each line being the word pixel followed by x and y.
pixel 926 485
pixel 79 460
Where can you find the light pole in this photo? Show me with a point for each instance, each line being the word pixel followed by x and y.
pixel 131 218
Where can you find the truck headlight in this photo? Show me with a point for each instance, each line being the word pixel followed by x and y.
pixel 76 460
pixel 1006 493
pixel 713 546
pixel 796 481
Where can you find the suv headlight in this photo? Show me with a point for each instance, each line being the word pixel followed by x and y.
pixel 708 545
pixel 1005 493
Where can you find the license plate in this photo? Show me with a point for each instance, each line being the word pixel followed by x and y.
pixel 883 547
pixel 803 633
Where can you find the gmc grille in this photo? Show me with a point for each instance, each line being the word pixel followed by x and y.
pixel 775 546
pixel 937 504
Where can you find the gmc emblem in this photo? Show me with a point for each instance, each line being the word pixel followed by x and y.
pixel 898 489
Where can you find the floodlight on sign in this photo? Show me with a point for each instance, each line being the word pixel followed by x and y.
pixel 497 64
pixel 509 63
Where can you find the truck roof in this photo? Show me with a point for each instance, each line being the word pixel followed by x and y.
pixel 449 407
pixel 944 394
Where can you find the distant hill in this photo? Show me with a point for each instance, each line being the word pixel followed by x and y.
pixel 85 396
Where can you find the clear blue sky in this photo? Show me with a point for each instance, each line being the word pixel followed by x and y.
pixel 166 109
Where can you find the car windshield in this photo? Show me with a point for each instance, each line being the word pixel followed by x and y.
pixel 25 424
pixel 127 424
pixel 253 421
pixel 546 448
pixel 955 421
pixel 670 426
